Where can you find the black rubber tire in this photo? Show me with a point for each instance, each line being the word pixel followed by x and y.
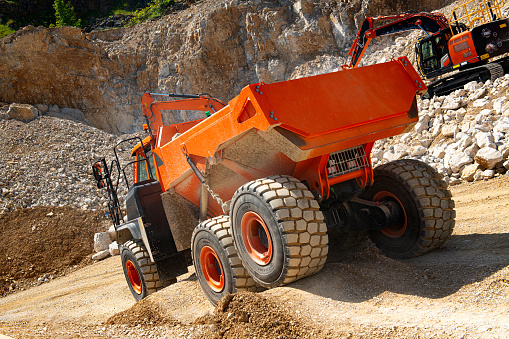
pixel 134 251
pixel 294 223
pixel 216 234
pixel 427 203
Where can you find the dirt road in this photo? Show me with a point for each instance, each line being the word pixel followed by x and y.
pixel 461 291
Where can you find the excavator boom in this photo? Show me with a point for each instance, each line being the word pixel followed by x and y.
pixel 428 22
pixel 463 46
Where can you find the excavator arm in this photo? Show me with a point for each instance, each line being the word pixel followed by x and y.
pixel 428 22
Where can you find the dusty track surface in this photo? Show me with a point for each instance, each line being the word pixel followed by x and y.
pixel 460 291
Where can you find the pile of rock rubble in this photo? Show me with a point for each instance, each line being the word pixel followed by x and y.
pixel 47 155
pixel 464 135
pixel 105 244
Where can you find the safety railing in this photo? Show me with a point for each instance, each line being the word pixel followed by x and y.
pixel 477 12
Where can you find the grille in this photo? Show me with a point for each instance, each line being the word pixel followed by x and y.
pixel 346 161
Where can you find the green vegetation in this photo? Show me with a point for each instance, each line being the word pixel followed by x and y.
pixel 65 15
pixel 5 30
pixel 57 13
pixel 122 12
pixel 154 9
pixel 122 8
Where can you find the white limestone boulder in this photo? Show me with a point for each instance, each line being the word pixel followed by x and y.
pixel 101 241
pixel 488 157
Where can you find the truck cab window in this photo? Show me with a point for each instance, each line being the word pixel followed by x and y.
pixel 142 173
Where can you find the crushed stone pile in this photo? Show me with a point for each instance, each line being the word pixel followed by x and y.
pixel 47 162
pixel 50 207
pixel 464 135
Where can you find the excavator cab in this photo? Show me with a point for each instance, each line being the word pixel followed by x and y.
pixel 432 53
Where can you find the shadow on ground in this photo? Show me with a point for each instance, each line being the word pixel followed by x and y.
pixel 364 274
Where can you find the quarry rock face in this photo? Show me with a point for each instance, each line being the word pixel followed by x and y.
pixel 214 47
pixel 60 66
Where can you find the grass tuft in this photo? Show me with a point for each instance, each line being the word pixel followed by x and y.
pixel 5 30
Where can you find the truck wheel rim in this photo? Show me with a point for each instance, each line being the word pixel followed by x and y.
pixel 212 269
pixel 256 238
pixel 399 229
pixel 134 277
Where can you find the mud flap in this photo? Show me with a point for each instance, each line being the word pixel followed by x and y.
pixel 172 267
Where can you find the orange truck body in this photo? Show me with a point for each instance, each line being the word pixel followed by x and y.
pixel 291 127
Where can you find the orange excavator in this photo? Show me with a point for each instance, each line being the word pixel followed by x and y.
pixel 252 192
pixel 470 44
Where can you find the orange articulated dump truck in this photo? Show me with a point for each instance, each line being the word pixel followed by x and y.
pixel 252 193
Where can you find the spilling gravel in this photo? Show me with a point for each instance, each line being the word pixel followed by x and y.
pixel 143 313
pixel 250 315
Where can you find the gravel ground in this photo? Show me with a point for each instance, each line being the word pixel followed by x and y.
pixel 460 291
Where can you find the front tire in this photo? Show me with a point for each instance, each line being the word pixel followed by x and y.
pixel 216 263
pixel 140 273
pixel 426 202
pixel 279 231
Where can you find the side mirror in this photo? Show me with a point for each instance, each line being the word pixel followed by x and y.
pixel 98 175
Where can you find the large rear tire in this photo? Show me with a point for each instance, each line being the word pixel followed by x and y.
pixel 217 265
pixel 279 231
pixel 426 202
pixel 141 274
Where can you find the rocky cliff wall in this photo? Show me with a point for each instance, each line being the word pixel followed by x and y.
pixel 214 47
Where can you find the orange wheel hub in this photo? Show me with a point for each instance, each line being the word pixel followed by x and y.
pixel 398 229
pixel 212 269
pixel 256 238
pixel 134 276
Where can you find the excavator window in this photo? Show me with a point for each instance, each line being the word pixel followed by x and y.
pixel 431 51
pixel 428 57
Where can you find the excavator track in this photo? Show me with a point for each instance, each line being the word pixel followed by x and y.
pixel 496 70
pixel 449 84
